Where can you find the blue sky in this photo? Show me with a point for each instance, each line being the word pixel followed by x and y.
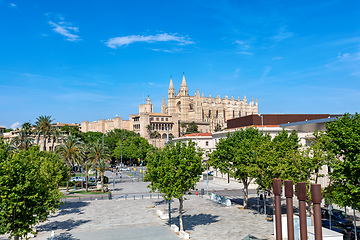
pixel 89 60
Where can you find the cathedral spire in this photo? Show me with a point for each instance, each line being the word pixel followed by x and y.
pixel 183 88
pixel 171 86
pixel 163 106
pixel 171 90
pixel 183 83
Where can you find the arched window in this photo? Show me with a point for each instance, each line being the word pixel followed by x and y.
pixel 178 106
pixel 209 113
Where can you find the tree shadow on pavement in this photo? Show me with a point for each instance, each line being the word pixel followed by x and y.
pixel 71 207
pixel 190 221
pixel 64 236
pixel 65 225
pixel 257 205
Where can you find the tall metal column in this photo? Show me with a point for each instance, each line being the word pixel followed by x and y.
pixel 289 193
pixel 301 194
pixel 277 193
pixel 316 199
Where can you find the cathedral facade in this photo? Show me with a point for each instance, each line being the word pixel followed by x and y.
pixel 206 112
pixel 180 110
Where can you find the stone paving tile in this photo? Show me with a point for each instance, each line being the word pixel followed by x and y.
pixel 120 219
pixel 222 222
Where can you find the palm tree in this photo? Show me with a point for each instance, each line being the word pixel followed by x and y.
pixel 182 126
pixel 22 141
pixel 103 166
pixel 155 135
pixel 55 134
pixel 71 151
pixel 148 129
pixel 87 162
pixel 43 126
pixel 98 152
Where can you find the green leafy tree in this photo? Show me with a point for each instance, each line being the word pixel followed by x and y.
pixel 65 129
pixel 28 190
pixel 217 128
pixel 111 139
pixel 344 136
pixel 310 160
pixel 8 130
pixel 91 137
pixel 174 171
pixel 75 131
pixel 182 128
pixel 239 154
pixel 5 149
pixel 192 128
pixel 277 158
pixel 132 148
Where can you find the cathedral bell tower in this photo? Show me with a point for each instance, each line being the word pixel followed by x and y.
pixel 183 88
pixel 171 98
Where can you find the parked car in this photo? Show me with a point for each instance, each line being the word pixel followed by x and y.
pixel 77 179
pixel 106 179
pixel 334 227
pixel 340 218
pixel 352 233
pixel 91 179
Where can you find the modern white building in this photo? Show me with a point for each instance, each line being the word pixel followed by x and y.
pixel 305 130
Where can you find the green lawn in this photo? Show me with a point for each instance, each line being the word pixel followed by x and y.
pixel 90 192
pixel 81 175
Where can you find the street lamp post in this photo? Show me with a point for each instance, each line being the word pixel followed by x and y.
pixel 207 167
pixel 262 122
pixel 121 154
pixel 262 131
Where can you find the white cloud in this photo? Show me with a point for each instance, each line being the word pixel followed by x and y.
pixel 240 42
pixel 347 62
pixel 15 125
pixel 66 30
pixel 282 35
pixel 276 58
pixel 163 37
pixel 265 73
pixel 161 50
pixel 12 5
pixel 246 53
pixel 347 57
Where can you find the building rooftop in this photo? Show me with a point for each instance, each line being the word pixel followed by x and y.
pixel 198 135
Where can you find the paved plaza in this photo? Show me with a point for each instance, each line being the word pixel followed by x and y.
pixel 136 219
